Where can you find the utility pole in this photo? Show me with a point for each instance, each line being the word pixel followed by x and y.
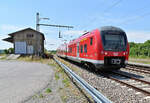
pixel 38 24
pixel 37 21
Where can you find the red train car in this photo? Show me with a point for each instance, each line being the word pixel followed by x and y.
pixel 105 47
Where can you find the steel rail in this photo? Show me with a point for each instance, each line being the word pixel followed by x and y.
pixel 138 70
pixel 134 87
pixel 97 96
pixel 144 66
pixel 129 85
pixel 131 77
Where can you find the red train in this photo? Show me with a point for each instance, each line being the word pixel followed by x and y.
pixel 105 47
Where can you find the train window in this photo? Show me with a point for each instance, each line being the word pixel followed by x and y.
pixel 78 49
pixel 91 40
pixel 81 48
pixel 85 48
pixel 70 50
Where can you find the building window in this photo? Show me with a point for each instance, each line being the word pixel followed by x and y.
pixel 85 48
pixel 29 35
pixel 91 41
pixel 81 48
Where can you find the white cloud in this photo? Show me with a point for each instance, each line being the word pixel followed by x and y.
pixel 138 36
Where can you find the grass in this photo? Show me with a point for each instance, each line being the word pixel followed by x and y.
pixel 64 98
pixel 145 60
pixel 56 76
pixel 50 62
pixel 41 96
pixel 66 82
pixel 140 57
pixel 3 56
pixel 48 90
pixel 34 96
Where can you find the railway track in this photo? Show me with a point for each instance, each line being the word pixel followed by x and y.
pixel 132 82
pixel 97 96
pixel 137 68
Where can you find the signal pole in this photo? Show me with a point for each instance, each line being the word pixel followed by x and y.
pixel 38 23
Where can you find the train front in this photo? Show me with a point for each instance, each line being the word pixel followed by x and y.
pixel 115 47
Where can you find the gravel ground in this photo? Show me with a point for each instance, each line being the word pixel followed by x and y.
pixel 143 76
pixel 62 89
pixel 32 82
pixel 116 92
pixel 20 80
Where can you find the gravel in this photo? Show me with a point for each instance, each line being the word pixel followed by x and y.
pixel 60 91
pixel 114 91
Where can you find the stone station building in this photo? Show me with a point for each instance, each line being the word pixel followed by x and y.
pixel 27 41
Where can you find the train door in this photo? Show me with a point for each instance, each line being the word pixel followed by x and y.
pixel 78 49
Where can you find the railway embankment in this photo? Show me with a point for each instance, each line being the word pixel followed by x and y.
pixel 115 91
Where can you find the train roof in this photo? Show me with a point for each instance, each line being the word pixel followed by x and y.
pixel 104 28
pixel 107 28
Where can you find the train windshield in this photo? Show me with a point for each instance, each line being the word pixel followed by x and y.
pixel 114 41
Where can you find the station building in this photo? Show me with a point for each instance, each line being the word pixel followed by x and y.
pixel 27 41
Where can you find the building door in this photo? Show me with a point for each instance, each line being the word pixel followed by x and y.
pixel 20 48
pixel 77 49
pixel 30 49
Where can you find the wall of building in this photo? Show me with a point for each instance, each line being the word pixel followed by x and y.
pixel 31 38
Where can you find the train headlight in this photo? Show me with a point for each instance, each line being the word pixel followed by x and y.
pixel 124 53
pixel 106 53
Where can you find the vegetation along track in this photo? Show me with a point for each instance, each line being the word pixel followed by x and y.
pixel 137 68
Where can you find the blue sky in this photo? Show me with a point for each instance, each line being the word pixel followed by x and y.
pixel 130 15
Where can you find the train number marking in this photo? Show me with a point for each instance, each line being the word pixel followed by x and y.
pixel 115 61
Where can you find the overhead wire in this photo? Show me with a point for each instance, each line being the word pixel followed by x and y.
pixel 106 10
pixel 135 18
pixel 134 12
pixel 113 5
